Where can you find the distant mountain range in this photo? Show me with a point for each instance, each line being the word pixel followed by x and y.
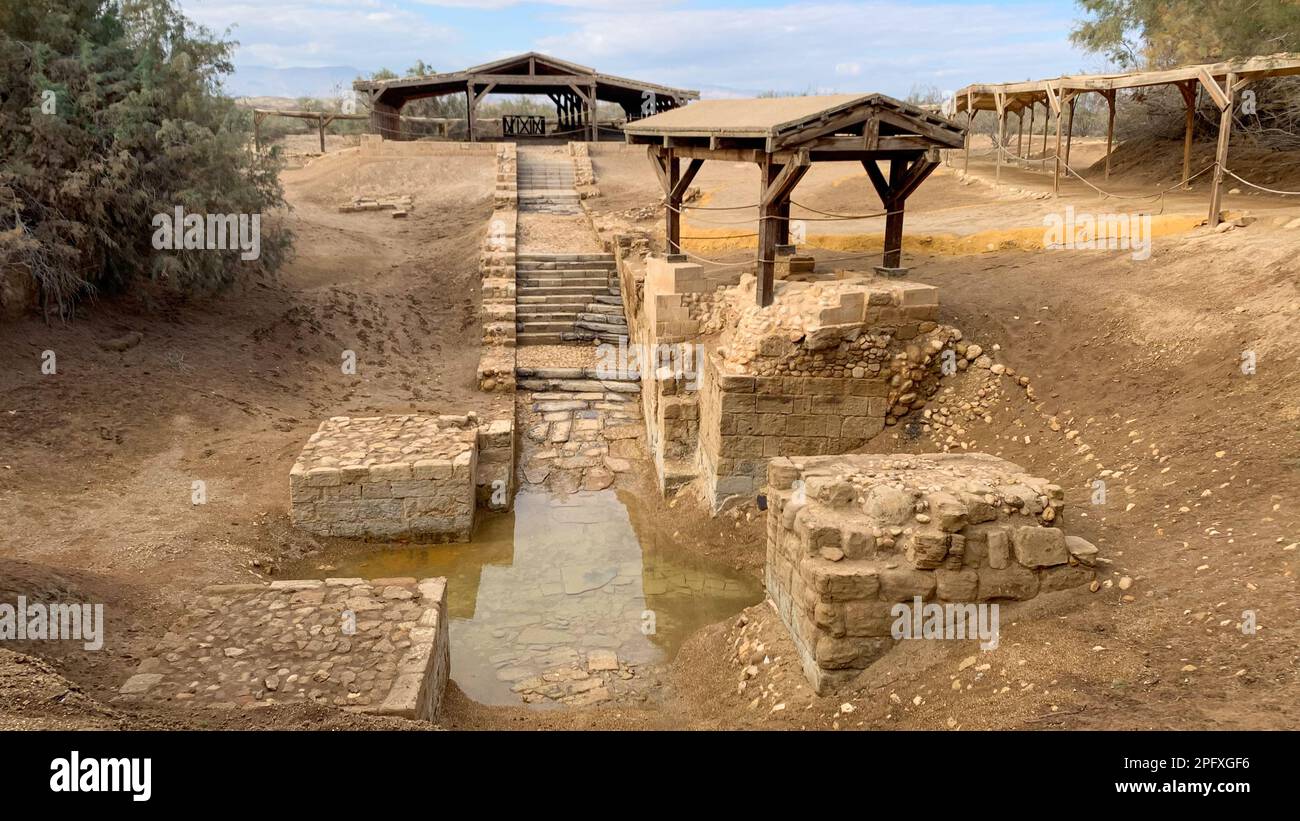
pixel 264 81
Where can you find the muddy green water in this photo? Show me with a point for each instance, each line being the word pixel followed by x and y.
pixel 539 588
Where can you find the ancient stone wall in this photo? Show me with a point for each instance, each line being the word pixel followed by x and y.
pixel 388 476
pixel 850 536
pixel 495 476
pixel 824 369
pixel 496 368
pixel 669 305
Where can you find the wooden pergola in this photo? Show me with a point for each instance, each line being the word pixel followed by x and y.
pixel 1222 82
pixel 573 89
pixel 785 136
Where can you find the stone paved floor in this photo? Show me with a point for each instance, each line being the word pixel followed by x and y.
pixel 373 645
pixel 579 440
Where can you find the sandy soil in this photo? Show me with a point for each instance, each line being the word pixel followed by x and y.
pixel 1140 357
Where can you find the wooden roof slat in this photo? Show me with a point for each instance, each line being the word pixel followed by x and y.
pixel 981 97
pixel 784 123
pixel 498 71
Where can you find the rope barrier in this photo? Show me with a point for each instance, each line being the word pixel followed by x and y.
pixel 1260 187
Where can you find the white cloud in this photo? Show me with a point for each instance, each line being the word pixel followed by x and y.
pixel 326 32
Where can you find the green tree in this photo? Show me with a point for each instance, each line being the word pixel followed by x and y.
pixel 1142 34
pixel 110 113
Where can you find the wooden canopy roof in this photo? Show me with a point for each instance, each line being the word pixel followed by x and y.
pixel 1015 96
pixel 829 127
pixel 528 73
pixel 785 136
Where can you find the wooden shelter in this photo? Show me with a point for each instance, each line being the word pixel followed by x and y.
pixel 1222 82
pixel 573 88
pixel 785 136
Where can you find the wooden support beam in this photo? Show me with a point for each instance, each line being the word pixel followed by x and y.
pixel 677 183
pixel 469 111
pixel 1221 155
pixel 1033 109
pixel 1220 97
pixel 673 208
pixel 1020 133
pixel 1110 127
pixel 893 257
pixel 767 233
pixel 1000 136
pixel 1056 175
pixel 1047 120
pixel 1069 134
pixel 970 128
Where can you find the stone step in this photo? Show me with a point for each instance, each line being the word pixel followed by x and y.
pixel 569 373
pixel 596 284
pixel 573 291
pixel 541 257
pixel 601 265
pixel 610 328
pixel 611 299
pixel 590 336
pixel 595 320
pixel 548 327
pixel 559 302
pixel 550 309
pixel 610 390
pixel 563 273
pixel 541 338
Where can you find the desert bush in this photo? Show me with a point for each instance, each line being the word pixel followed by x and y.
pixel 110 113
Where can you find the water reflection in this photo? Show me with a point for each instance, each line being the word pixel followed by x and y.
pixel 557 586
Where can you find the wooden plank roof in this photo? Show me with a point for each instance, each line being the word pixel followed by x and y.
pixel 983 97
pixel 790 123
pixel 530 72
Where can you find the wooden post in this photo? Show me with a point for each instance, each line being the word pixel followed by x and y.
pixel 1047 121
pixel 673 211
pixel 767 234
pixel 893 257
pixel 470 105
pixel 320 123
pixel 999 100
pixel 1110 127
pixel 970 128
pixel 1069 134
pixel 1056 173
pixel 1020 132
pixel 903 180
pixel 1033 107
pixel 1189 100
pixel 1221 156
pixel 595 124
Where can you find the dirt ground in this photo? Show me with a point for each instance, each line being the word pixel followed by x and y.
pixel 1136 365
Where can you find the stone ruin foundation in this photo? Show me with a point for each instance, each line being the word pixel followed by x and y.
pixel 378 646
pixel 849 536
pixel 821 371
pixel 401 476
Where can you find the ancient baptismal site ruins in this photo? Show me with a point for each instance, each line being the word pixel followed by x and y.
pixel 653 407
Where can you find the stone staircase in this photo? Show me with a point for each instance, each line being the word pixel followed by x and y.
pixel 567 298
pixel 546 184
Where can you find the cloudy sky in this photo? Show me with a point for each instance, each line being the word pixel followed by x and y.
pixel 719 46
